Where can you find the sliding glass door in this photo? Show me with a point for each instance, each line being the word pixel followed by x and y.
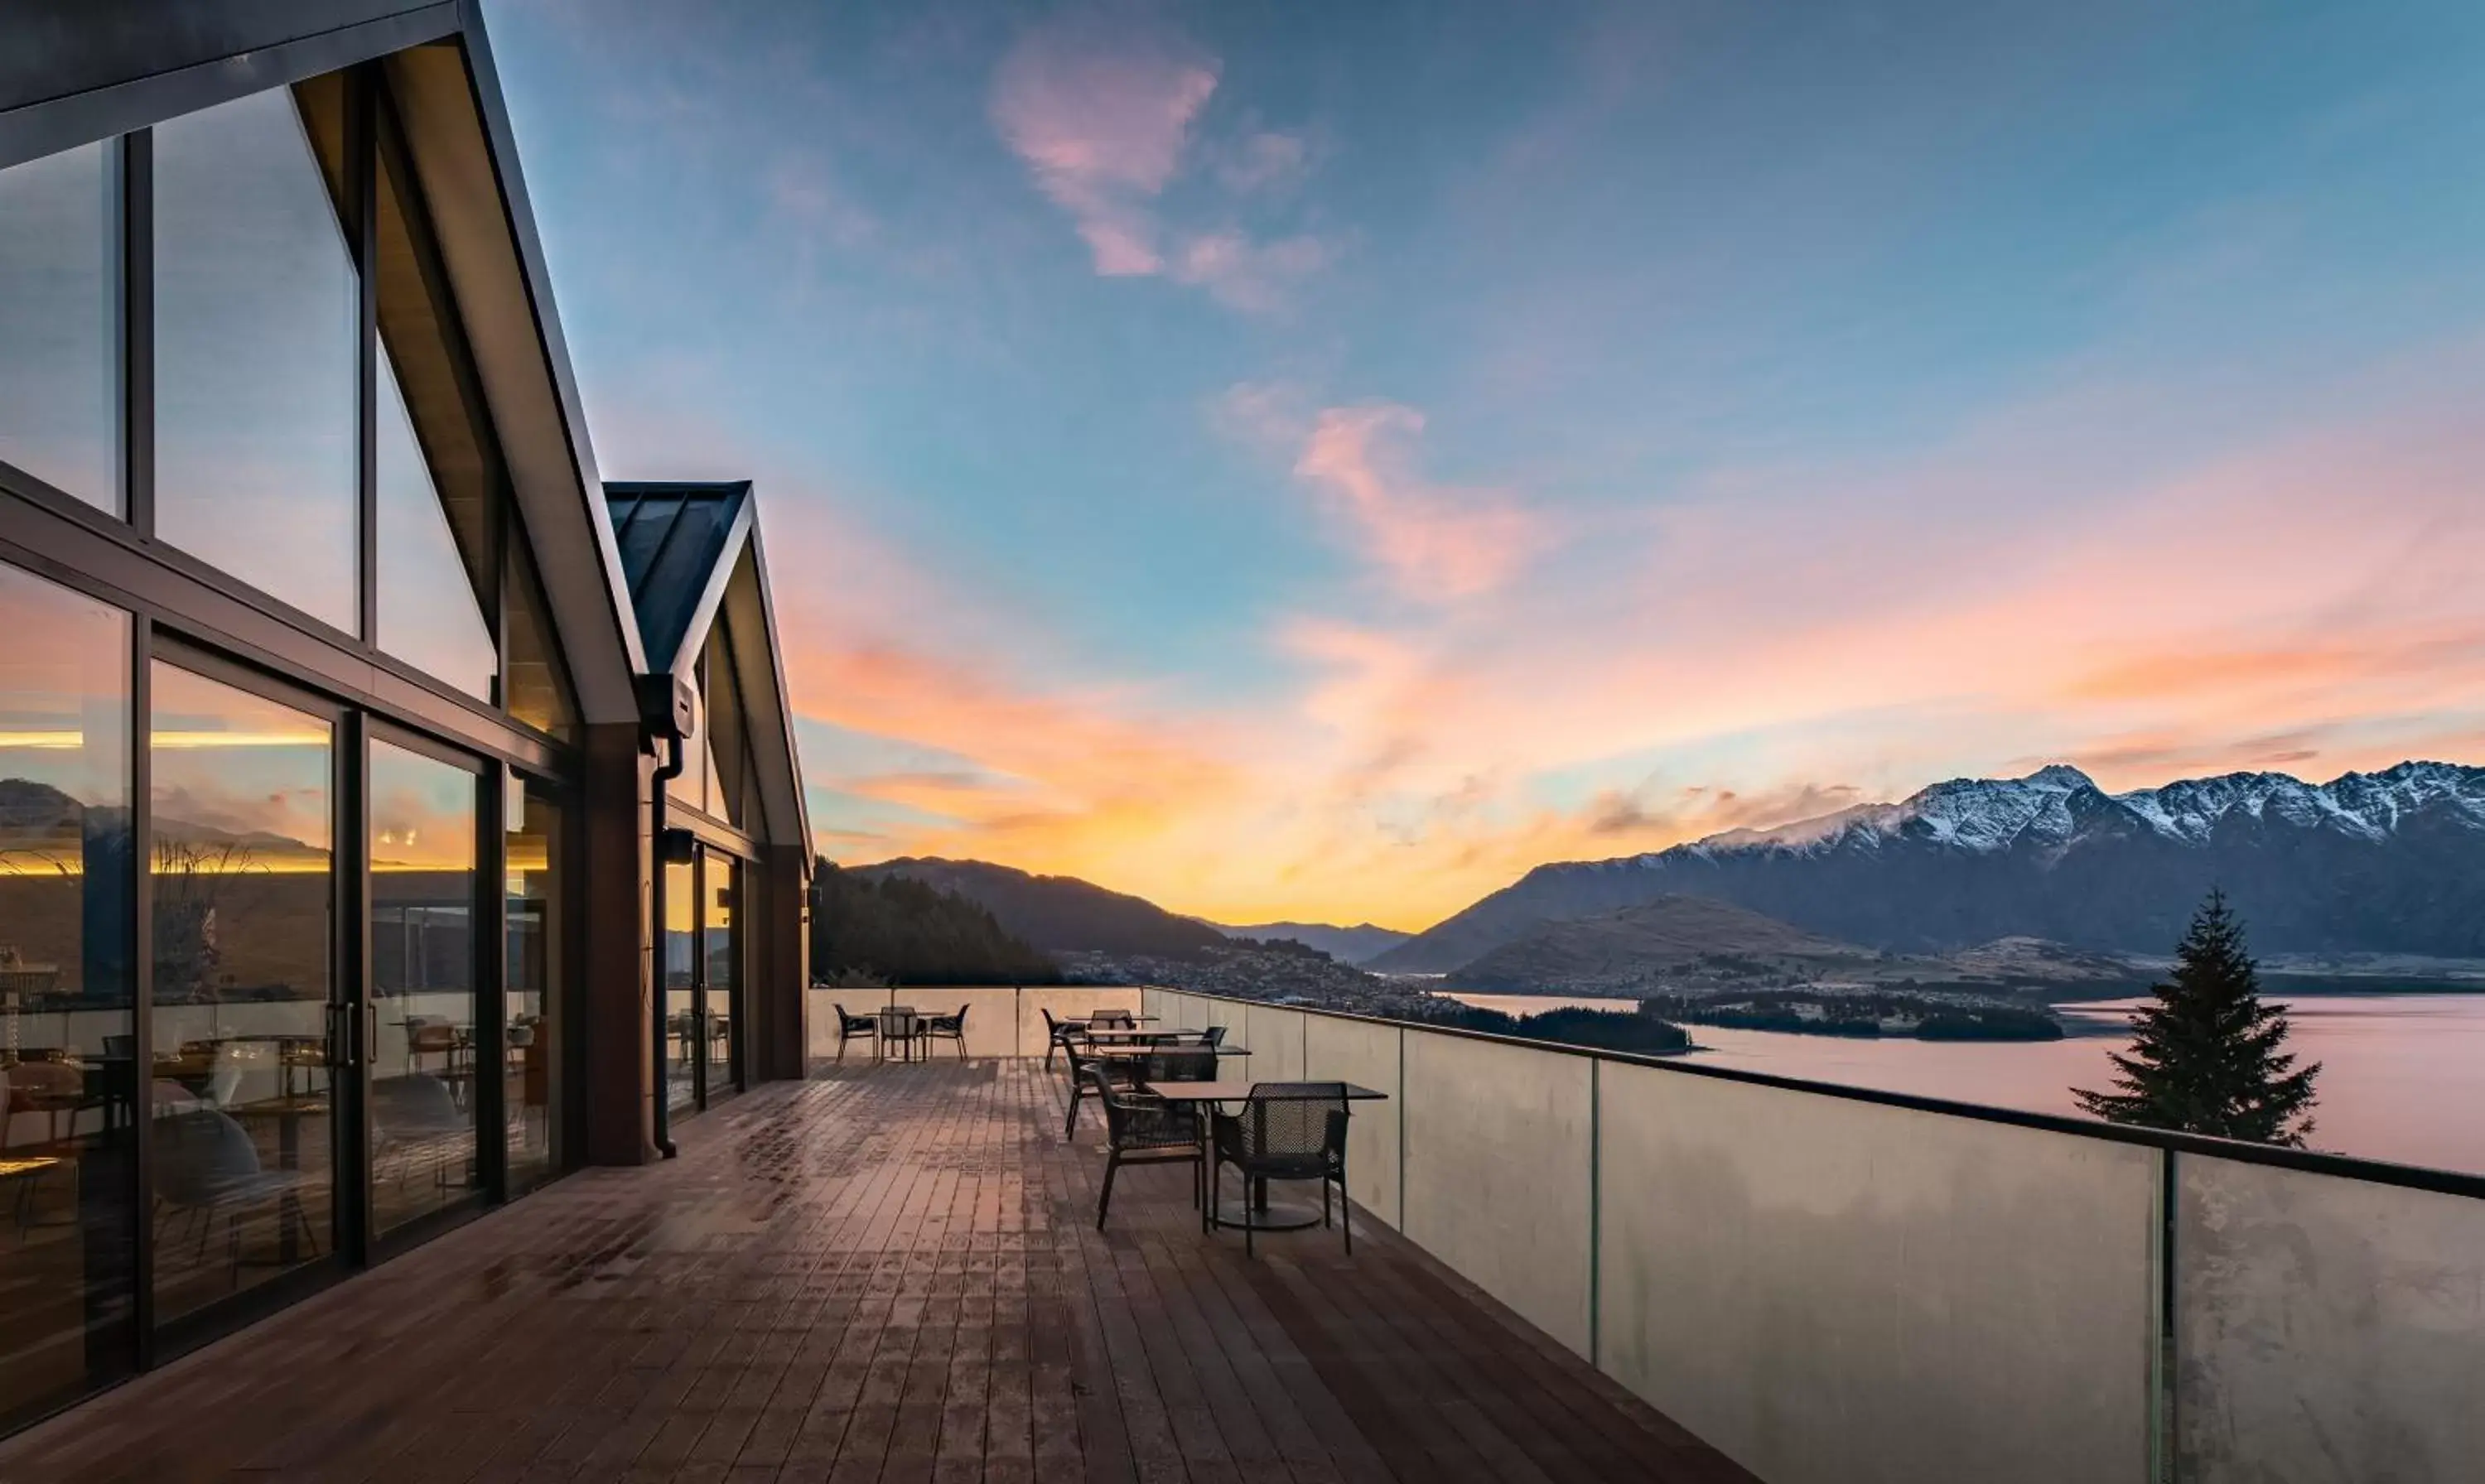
pixel 243 1098
pixel 430 1056
pixel 702 962
pixel 720 986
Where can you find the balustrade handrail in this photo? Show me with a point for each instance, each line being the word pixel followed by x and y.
pixel 2447 1182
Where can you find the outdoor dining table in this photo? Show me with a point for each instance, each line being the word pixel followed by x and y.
pixel 1106 1034
pixel 1257 1212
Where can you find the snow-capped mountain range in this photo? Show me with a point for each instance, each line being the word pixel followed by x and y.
pixel 1982 815
pixel 2385 862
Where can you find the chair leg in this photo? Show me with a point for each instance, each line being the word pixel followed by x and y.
pixel 1104 1202
pixel 1324 1202
pixel 1070 1125
pixel 1345 1217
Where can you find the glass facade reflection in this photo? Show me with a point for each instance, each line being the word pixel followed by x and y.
pixel 721 947
pixel 424 885
pixel 60 322
pixel 534 686
pixel 234 1060
pixel 243 878
pixel 438 588
pixel 66 1073
pixel 539 1030
pixel 426 614
pixel 681 985
pixel 256 328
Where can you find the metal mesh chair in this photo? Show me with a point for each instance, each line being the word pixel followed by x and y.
pixel 1056 1035
pixel 1112 1017
pixel 952 1028
pixel 1287 1131
pixel 851 1026
pixel 1142 1130
pixel 1180 1063
pixel 1214 1036
pixel 1110 1069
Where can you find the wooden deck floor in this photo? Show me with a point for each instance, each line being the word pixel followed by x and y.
pixel 884 1273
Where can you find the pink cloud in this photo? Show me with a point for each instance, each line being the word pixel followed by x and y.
pixel 1102 124
pixel 1435 543
pixel 1255 277
pixel 1104 121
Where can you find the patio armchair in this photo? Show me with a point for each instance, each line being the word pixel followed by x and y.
pixel 1122 1018
pixel 1287 1131
pixel 1181 1062
pixel 1112 1070
pixel 952 1028
pixel 1142 1130
pixel 1056 1035
pixel 850 1026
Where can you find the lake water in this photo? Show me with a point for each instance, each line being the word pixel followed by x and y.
pixel 2403 1075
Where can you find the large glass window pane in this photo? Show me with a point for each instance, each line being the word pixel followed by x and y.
pixel 65 1070
pixel 720 922
pixel 60 322
pixel 681 985
pixel 427 615
pixel 244 901
pixel 722 737
pixel 423 1000
pixel 436 472
pixel 255 317
pixel 534 687
pixel 538 1024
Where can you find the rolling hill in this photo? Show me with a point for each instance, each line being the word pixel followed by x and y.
pixel 1057 913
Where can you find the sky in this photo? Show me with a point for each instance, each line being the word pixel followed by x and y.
pixel 1320 462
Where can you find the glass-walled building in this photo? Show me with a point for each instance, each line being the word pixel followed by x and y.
pixel 325 670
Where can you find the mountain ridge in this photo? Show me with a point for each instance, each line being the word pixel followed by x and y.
pixel 2390 861
pixel 1056 913
pixel 1357 944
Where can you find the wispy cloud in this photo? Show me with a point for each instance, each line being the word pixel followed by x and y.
pixel 1435 543
pixel 1102 120
pixel 1266 162
pixel 1242 274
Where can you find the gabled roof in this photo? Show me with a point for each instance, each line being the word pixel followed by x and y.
pixel 691 554
pixel 678 542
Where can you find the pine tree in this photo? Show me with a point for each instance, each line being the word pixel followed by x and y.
pixel 2207 1057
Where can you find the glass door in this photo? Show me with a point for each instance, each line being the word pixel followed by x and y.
pixel 243 1098
pixel 682 1060
pixel 429 1052
pixel 720 986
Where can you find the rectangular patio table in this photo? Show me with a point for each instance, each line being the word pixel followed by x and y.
pixel 1257 1213
pixel 1109 1037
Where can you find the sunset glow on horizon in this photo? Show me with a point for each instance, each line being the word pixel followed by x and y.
pixel 1323 471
